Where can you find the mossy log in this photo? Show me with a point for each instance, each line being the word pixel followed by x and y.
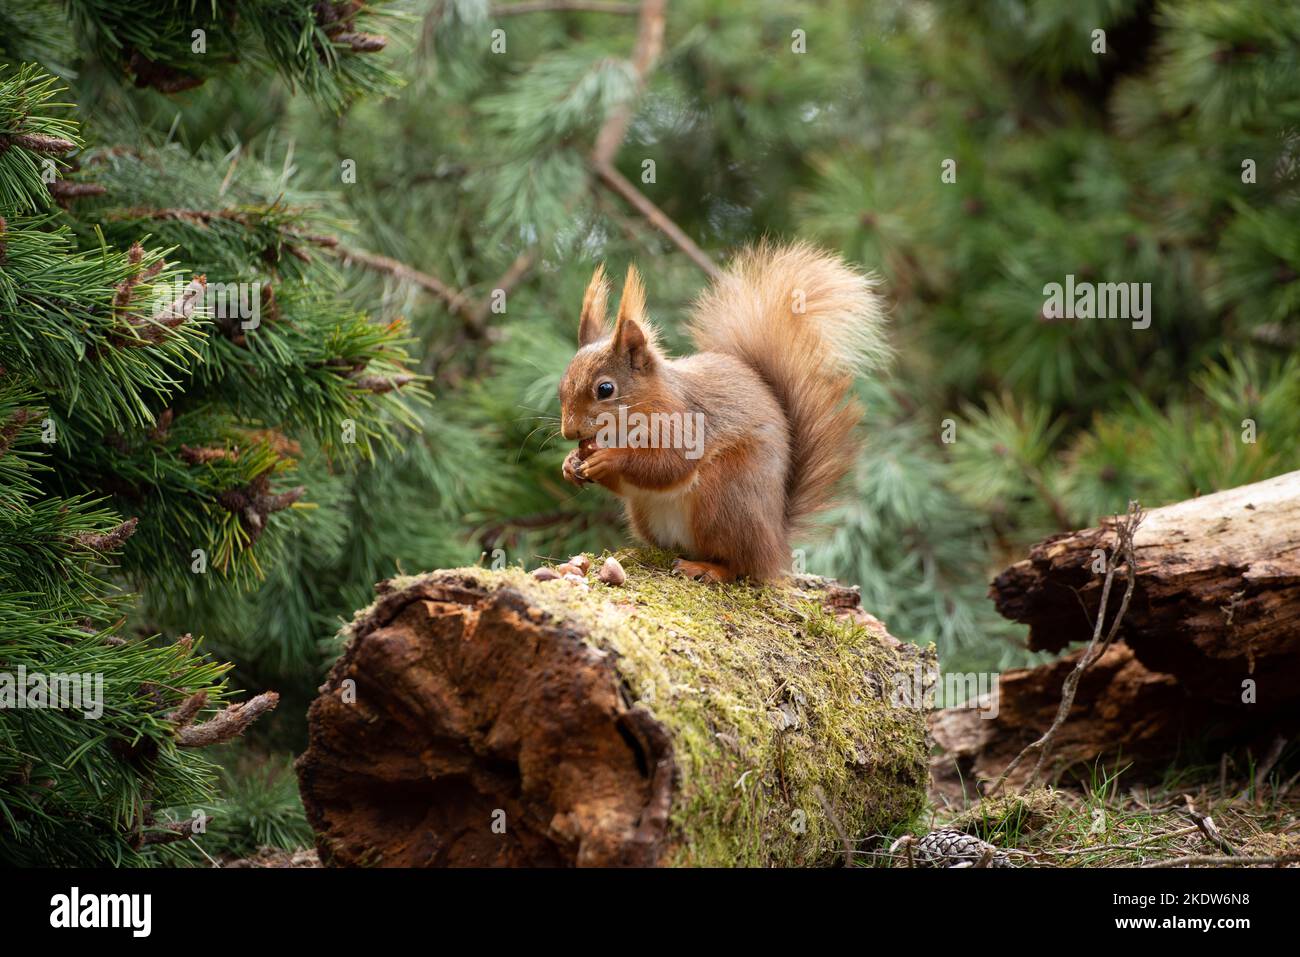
pixel 483 717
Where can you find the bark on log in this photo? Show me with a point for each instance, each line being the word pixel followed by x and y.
pixel 486 718
pixel 1217 598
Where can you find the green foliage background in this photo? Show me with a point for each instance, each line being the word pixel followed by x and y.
pixel 457 157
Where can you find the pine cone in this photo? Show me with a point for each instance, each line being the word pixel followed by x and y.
pixel 949 848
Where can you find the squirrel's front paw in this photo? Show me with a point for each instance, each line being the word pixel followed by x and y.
pixel 600 466
pixel 572 461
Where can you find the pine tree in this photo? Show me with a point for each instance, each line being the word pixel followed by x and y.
pixel 180 381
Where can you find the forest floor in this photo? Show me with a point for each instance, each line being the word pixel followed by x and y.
pixel 1192 819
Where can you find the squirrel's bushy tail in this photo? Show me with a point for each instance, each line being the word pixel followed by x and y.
pixel 807 323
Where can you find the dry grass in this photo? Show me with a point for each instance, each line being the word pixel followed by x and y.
pixel 1110 824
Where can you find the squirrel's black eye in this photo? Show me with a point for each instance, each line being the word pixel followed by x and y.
pixel 604 390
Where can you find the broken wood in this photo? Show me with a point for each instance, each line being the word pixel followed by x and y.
pixel 1207 651
pixel 1217 600
pixel 1122 710
pixel 484 717
pixel 1123 551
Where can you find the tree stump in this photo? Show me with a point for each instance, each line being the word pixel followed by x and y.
pixel 484 717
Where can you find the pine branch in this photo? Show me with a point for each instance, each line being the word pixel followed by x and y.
pixel 474 317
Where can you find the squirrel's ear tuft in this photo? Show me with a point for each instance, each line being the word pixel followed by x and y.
pixel 632 305
pixel 633 335
pixel 595 303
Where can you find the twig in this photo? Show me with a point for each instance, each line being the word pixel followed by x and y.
pixel 1286 788
pixel 835 823
pixel 1125 532
pixel 185 713
pixel 649 43
pixel 36 142
pixel 513 275
pixel 107 541
pixel 226 724
pixel 1207 827
pixel 170 832
pixel 456 302
pixel 657 217
pixel 1100 848
pixel 474 317
pixel 1266 766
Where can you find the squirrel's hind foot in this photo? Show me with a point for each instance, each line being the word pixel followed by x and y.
pixel 711 573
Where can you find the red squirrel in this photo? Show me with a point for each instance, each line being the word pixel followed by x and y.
pixel 780 335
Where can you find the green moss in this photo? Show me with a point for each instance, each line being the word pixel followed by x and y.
pixel 1003 819
pixel 774 706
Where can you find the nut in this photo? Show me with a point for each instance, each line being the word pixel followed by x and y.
pixel 581 562
pixel 611 573
pixel 545 574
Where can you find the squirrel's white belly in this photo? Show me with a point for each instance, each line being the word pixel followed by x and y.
pixel 665 517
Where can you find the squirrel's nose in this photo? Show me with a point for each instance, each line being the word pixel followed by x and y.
pixel 568 431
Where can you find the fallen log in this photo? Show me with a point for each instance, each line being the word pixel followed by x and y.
pixel 1207 656
pixel 484 717
pixel 1217 600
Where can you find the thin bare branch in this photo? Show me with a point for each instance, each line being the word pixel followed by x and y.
pixel 1125 531
pixel 845 843
pixel 1266 766
pixel 456 302
pixel 649 44
pixel 226 724
pixel 511 278
pixel 657 217
pixel 1207 827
